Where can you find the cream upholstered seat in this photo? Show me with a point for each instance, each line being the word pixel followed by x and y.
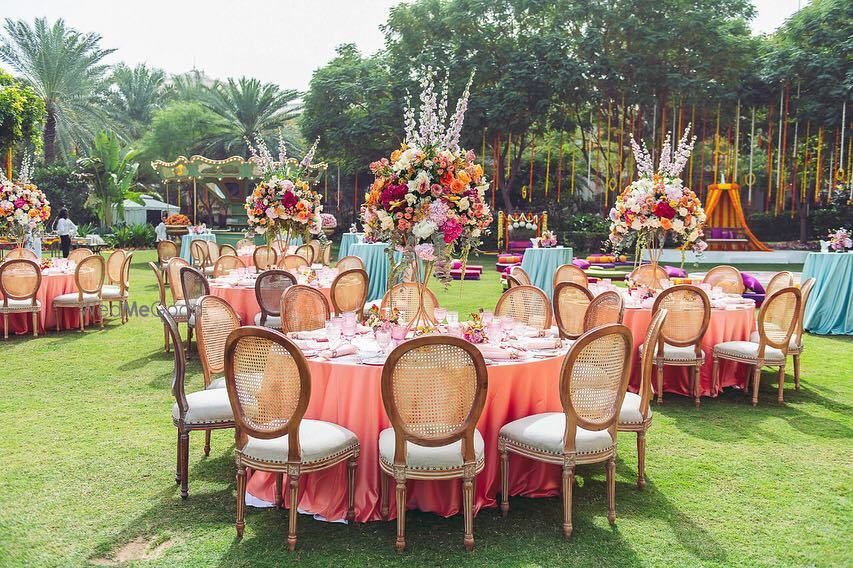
pixel 747 351
pixel 72 298
pixel 88 279
pixel 429 458
pixel 205 407
pixel 630 412
pixel 319 441
pixel 675 353
pixel 20 305
pixel 20 280
pixel 273 322
pixel 217 383
pixel 544 433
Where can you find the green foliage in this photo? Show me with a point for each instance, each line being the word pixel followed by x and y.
pixel 770 227
pixel 22 113
pixel 136 93
pixel 87 229
pixel 132 236
pixel 110 172
pixel 64 188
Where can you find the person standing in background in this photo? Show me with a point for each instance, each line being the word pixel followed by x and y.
pixel 66 229
pixel 160 230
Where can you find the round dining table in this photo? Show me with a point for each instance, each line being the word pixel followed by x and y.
pixel 186 240
pixel 541 264
pixel 347 240
pixel 53 283
pixel 830 307
pixel 242 298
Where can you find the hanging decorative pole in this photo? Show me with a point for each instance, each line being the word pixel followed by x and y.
pixel 509 155
pixel 804 187
pixel 497 167
pixel 326 186
pixel 701 191
pixel 547 167
pixel 769 158
pixel 532 153
pixel 355 197
pixel 195 203
pixel 750 178
pixel 607 156
pixel 574 153
pixel 560 167
pixel 819 161
pixel 589 154
pixel 621 144
pixel 338 203
pixel 795 154
pixel 779 145
pixel 654 129
pixel 736 148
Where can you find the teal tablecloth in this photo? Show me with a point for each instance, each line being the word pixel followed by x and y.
pixel 542 263
pixel 830 307
pixel 347 240
pixel 376 264
pixel 187 239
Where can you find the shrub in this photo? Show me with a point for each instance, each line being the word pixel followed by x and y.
pixel 132 236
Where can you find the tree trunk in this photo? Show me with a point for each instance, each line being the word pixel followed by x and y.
pixel 49 135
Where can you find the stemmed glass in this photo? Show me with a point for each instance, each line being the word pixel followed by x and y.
pixel 440 314
pixel 333 332
pixel 348 326
pixel 487 316
pixel 383 339
pixel 507 323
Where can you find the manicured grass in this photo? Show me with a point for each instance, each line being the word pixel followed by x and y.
pixel 89 461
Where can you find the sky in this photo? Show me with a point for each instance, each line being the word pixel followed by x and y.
pixel 281 41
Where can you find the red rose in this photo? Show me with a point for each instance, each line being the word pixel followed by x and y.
pixel 663 210
pixel 289 199
pixel 391 194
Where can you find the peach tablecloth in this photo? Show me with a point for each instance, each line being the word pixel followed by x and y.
pixel 52 285
pixel 725 325
pixel 245 303
pixel 248 259
pixel 351 395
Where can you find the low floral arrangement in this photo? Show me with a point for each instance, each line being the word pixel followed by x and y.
pixel 839 240
pixel 328 221
pixel 177 219
pixel 198 229
pixel 548 239
pixel 24 208
pixel 46 263
pixel 429 199
pixel 425 329
pixel 658 203
pixel 283 204
pixel 353 228
pixel 375 320
pixel 473 331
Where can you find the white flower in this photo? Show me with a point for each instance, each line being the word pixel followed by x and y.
pixel 424 229
pixel 463 204
pixel 411 198
pixel 678 225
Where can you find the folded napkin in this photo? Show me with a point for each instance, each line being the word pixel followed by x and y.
pixel 316 335
pixel 497 353
pixel 542 343
pixel 341 351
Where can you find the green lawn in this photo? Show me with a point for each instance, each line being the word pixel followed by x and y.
pixel 88 453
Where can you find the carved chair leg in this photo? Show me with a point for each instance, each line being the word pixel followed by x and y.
pixel 504 482
pixel 189 337
pixel 279 481
pixel 384 496
pixel 294 505
pixel 166 338
pixel 641 460
pixel 82 319
pixel 207 443
pixel 5 326
pixel 241 499
pixel 352 466
pixel 797 372
pixel 35 324
pixel 185 459
pixel 468 511
pixel 400 544
pixel 781 396
pixel 611 489
pixel 715 376
pixel 568 485
pixel 660 383
pixel 99 313
pixel 56 317
pixel 697 388
pixel 178 468
pixel 756 379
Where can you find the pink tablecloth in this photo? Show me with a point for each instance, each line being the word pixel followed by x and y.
pixel 248 259
pixel 245 303
pixel 725 325
pixel 52 285
pixel 350 395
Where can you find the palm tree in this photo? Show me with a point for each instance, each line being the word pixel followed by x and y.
pixel 64 67
pixel 135 94
pixel 250 108
pixel 110 173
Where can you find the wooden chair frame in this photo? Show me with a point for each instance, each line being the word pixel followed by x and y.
pixel 783 279
pixel 306 252
pixel 124 289
pixel 270 311
pixel 77 255
pixel 187 274
pixel 162 292
pixel 517 290
pixel 292 262
pixel 639 276
pixel 226 250
pixel 301 289
pixel 353 272
pixel 797 349
pixel 402 434
pixel 565 332
pixel 21 253
pixel 344 263
pixel 570 273
pixel 34 308
pixel 261 257
pixel 220 267
pixel 84 304
pixel 590 317
pixel 199 253
pixel 520 275
pixel 166 250
pixel 731 271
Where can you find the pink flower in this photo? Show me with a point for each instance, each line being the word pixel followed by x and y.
pixel 451 229
pixel 391 194
pixel 289 199
pixel 425 252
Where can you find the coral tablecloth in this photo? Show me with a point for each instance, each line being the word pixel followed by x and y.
pixel 245 303
pixel 725 325
pixel 542 263
pixel 52 285
pixel 830 307
pixel 350 395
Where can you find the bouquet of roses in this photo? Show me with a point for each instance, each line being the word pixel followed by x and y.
pixel 24 208
pixel 839 240
pixel 283 203
pixel 657 203
pixel 548 239
pixel 375 319
pixel 473 331
pixel 429 199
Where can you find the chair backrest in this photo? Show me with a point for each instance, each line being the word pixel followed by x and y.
pixel 778 281
pixel 594 379
pixel 166 250
pixel 21 252
pixel 269 287
pixel 350 262
pixel 727 278
pixel 199 253
pixel 349 292
pixel 174 270
pixel 405 297
pixel 245 243
pixel 215 319
pixel 293 261
pixel 227 250
pixel 180 369
pixel 571 301
pixel 326 254
pixel 265 257
pixel 306 252
pixel 520 275
pixel 778 319
pixel 269 386
pixel 20 279
pixel 303 308
pixel 689 313
pixel 79 254
pixel 434 391
pixel 317 247
pixel 89 275
pixel 605 308
pixel 649 275
pixel 193 284
pixel 115 263
pixel 647 360
pixel 161 288
pixel 124 283
pixel 570 273
pixel 805 294
pixel 213 253
pixel 525 304
pixel 225 264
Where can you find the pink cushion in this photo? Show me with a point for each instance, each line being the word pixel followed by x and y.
pixel 581 263
pixel 674 272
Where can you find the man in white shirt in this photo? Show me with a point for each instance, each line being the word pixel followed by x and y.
pixel 160 230
pixel 66 229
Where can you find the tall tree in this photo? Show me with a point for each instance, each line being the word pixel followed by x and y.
pixel 110 172
pixel 249 108
pixel 134 95
pixel 65 68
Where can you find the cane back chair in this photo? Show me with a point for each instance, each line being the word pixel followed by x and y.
pixel 292 262
pixel 213 253
pixel 778 281
pixel 20 279
pixel 21 253
pixel 166 250
pixel 245 244
pixel 194 285
pixel 649 275
pixel 78 254
pixel 518 277
pixel 265 257
pixel 350 262
pixel 405 296
pixel 119 290
pixel 174 311
pixel 605 308
pixel 115 265
pixel 306 252
pixel 89 279
pixel 269 288
pixel 303 308
pixel 571 301
pixel 225 264
pixel 526 304
pixel 227 250
pixel 570 273
pixel 349 292
pixel 727 278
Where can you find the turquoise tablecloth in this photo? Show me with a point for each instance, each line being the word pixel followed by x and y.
pixel 542 263
pixel 187 239
pixel 347 240
pixel 376 264
pixel 830 307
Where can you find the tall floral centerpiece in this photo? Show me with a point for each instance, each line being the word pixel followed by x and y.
pixel 24 208
pixel 658 204
pixel 283 204
pixel 428 200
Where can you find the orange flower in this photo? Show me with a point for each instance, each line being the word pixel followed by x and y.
pixel 395 155
pixel 666 224
pixel 33 213
pixel 456 186
pixel 463 177
pixel 478 172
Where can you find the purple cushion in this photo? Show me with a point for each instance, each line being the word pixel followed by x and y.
pixel 716 233
pixel 752 283
pixel 605 265
pixel 456 264
pixel 674 272
pixel 759 298
pixel 581 263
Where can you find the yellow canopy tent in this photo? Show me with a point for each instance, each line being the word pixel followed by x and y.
pixel 725 224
